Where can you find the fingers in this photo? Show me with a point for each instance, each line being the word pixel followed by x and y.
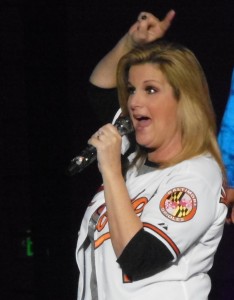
pixel 166 22
pixel 107 129
pixel 145 28
pixel 105 133
pixel 150 18
pixel 147 21
pixel 96 138
pixel 107 142
pixel 150 28
pixel 146 16
pixel 99 133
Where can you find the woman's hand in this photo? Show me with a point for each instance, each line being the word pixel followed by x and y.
pixel 148 28
pixel 230 202
pixel 107 141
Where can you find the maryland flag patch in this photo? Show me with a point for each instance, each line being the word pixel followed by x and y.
pixel 179 204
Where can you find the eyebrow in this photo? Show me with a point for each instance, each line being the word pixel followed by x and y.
pixel 146 81
pixel 150 80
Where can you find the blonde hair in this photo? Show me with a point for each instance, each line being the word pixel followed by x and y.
pixel 184 73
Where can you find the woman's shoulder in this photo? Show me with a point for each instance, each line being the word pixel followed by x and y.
pixel 203 166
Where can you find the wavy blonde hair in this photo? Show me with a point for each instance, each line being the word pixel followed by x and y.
pixel 184 73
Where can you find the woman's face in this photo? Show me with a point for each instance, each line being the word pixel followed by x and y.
pixel 153 110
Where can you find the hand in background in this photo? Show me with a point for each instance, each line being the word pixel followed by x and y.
pixel 149 28
pixel 230 201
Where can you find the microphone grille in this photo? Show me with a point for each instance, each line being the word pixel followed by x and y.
pixel 124 125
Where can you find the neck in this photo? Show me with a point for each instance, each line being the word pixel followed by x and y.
pixel 166 153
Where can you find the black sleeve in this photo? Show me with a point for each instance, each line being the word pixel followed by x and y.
pixel 104 102
pixel 144 256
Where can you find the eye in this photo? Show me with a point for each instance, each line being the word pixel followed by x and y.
pixel 151 90
pixel 131 90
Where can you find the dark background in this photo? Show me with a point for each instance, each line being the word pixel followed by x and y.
pixel 48 50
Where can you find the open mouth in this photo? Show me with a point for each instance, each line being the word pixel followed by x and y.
pixel 141 118
pixel 141 121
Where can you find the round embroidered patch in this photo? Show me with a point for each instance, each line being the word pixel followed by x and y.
pixel 179 204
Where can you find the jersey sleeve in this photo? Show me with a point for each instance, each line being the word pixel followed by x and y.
pixel 186 209
pixel 150 256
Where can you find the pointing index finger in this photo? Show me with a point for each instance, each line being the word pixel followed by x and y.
pixel 166 22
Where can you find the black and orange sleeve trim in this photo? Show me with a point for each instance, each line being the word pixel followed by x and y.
pixel 164 236
pixel 144 256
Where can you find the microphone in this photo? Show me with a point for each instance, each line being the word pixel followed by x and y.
pixel 89 154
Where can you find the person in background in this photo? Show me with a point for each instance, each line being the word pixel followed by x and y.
pixel 226 143
pixel 152 230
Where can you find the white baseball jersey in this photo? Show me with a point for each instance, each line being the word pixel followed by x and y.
pixel 182 207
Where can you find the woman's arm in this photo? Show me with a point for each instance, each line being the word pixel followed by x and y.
pixel 123 222
pixel 144 31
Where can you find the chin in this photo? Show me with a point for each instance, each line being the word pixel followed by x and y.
pixel 146 148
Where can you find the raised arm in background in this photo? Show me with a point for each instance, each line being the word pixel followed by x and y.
pixel 146 29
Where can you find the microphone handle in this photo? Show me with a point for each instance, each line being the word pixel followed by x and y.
pixel 79 163
pixel 89 154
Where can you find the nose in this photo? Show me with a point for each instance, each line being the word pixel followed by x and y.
pixel 135 101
